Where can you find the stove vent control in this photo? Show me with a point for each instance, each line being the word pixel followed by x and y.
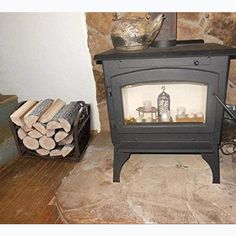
pixel 202 61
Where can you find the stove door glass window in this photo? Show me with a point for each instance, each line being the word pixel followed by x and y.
pixel 173 102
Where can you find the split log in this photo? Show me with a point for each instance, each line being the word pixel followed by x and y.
pixel 42 151
pixel 50 132
pixel 55 152
pixel 60 135
pixel 68 117
pixel 27 114
pixel 41 107
pixel 31 143
pixel 40 127
pixel 47 143
pixel 67 140
pixel 53 125
pixel 35 134
pixel 21 133
pixel 52 111
pixel 26 128
pixel 17 116
pixel 67 149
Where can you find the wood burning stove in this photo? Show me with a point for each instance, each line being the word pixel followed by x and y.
pixel 190 74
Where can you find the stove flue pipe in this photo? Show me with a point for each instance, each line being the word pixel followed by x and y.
pixel 168 33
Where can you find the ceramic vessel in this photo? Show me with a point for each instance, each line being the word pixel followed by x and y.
pixel 135 33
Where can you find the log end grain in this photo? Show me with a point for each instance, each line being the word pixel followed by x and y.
pixel 40 127
pixel 50 132
pixel 67 140
pixel 42 151
pixel 21 133
pixel 65 124
pixel 47 143
pixel 67 149
pixel 35 134
pixel 53 125
pixel 60 135
pixel 31 143
pixel 55 153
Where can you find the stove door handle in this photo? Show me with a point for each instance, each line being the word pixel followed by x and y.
pixel 229 110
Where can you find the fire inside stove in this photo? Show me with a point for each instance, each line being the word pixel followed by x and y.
pixel 170 102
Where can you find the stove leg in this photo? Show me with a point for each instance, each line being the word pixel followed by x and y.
pixel 212 160
pixel 119 160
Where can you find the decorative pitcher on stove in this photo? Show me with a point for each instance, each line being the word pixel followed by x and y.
pixel 135 33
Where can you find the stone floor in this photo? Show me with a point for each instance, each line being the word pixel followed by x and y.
pixel 153 189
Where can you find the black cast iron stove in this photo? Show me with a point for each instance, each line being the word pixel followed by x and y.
pixel 162 100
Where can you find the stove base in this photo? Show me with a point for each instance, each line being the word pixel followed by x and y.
pixel 119 160
pixel 211 158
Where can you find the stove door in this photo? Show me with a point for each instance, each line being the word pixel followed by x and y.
pixel 166 100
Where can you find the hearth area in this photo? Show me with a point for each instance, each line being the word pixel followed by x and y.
pixel 162 100
pixel 155 189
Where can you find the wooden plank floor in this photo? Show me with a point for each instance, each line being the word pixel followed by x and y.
pixel 26 188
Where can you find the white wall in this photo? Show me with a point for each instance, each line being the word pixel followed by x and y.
pixel 45 55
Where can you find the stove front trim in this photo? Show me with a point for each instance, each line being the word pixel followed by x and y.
pixel 176 75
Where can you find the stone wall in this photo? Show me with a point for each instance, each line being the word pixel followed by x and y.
pixel 212 27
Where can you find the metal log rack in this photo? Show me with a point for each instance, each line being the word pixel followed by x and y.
pixel 81 134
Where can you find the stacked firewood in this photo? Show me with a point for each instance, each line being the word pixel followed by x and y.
pixel 46 126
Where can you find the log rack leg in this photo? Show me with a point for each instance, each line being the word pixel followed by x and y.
pixel 212 160
pixel 119 160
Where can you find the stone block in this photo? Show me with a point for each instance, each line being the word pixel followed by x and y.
pixel 187 30
pixel 134 14
pixel 99 85
pixel 98 43
pixel 100 21
pixel 103 114
pixel 231 90
pixel 222 26
pixel 232 71
pixel 211 39
pixel 231 95
pixel 189 16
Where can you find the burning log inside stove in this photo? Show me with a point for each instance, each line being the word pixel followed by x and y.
pixel 35 122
